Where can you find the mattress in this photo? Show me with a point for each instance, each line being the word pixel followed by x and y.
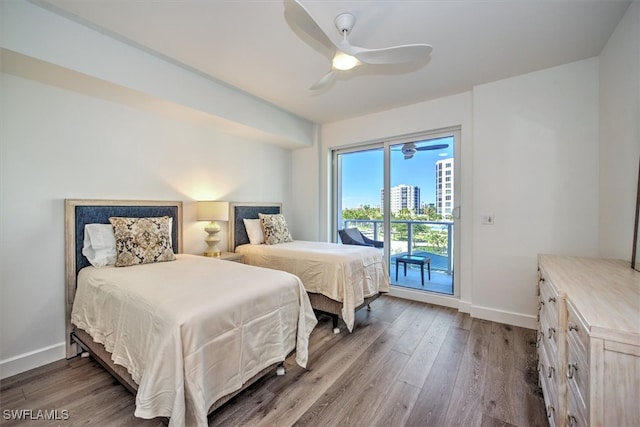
pixel 193 330
pixel 344 273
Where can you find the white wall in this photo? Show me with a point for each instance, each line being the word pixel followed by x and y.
pixel 619 135
pixel 536 169
pixel 57 144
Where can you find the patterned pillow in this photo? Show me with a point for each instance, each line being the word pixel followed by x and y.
pixel 274 228
pixel 142 240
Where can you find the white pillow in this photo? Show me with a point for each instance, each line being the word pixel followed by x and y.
pixel 254 231
pixel 99 244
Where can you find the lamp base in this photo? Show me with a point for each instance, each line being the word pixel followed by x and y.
pixel 212 240
pixel 213 254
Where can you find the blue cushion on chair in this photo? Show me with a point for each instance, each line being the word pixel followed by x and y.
pixel 355 235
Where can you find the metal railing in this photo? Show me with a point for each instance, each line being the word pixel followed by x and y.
pixel 436 236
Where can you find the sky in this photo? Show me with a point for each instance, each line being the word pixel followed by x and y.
pixel 362 173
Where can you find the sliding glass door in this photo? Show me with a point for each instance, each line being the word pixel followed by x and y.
pixel 403 193
pixel 421 204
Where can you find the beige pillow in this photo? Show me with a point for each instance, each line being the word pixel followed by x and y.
pixel 254 231
pixel 274 229
pixel 142 240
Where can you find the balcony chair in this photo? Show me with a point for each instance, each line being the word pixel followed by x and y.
pixel 353 236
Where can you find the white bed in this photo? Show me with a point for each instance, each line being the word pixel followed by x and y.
pixel 188 333
pixel 339 278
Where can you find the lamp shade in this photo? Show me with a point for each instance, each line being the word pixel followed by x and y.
pixel 212 211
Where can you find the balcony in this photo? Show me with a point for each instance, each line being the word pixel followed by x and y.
pixel 432 239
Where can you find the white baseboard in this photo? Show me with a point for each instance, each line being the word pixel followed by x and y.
pixel 485 313
pixel 506 317
pixel 31 360
pixel 464 307
pixel 427 297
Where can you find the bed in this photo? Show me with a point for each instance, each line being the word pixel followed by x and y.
pixel 185 333
pixel 340 279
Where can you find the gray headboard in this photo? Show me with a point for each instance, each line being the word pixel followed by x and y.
pixel 239 211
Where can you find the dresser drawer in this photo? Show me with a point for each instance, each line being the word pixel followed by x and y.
pixel 577 356
pixel 577 332
pixel 548 314
pixel 578 375
pixel 576 410
pixel 548 385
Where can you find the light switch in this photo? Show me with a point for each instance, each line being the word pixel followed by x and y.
pixel 486 219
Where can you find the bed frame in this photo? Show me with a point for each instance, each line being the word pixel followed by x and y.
pixel 238 236
pixel 79 212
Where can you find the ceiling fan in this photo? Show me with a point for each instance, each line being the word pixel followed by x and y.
pixel 347 56
pixel 410 148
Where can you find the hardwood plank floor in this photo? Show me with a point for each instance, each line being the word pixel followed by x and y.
pixel 405 364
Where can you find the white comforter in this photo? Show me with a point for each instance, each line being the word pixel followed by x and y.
pixel 193 330
pixel 345 273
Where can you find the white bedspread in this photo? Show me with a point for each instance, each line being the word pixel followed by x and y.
pixel 193 330
pixel 345 273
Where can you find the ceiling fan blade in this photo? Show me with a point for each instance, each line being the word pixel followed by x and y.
pixel 425 148
pixel 324 81
pixel 303 19
pixel 392 55
pixel 432 147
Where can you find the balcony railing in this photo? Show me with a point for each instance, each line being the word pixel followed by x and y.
pixel 409 237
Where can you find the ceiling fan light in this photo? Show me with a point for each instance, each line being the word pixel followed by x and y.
pixel 343 62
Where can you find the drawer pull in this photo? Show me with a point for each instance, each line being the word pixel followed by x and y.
pixel 573 369
pixel 541 306
pixel 573 327
pixel 542 279
pixel 551 332
pixel 552 299
pixel 571 421
pixel 551 371
pixel 550 411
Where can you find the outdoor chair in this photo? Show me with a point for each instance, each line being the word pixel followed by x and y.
pixel 353 236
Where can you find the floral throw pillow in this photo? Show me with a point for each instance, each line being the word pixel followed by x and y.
pixel 142 240
pixel 274 228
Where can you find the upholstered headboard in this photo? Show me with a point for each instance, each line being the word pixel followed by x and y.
pixel 100 214
pixel 238 211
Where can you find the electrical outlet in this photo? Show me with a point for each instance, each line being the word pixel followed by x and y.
pixel 486 219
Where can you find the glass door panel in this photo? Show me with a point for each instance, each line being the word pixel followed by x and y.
pixel 360 179
pixel 421 202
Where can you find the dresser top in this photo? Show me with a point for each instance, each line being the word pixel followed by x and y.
pixel 606 292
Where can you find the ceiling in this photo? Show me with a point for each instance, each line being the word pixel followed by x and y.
pixel 250 45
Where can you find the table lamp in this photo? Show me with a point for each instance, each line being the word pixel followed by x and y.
pixel 212 211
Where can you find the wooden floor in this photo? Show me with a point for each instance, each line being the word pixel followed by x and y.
pixel 406 363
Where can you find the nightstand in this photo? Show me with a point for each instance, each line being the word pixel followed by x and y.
pixel 231 256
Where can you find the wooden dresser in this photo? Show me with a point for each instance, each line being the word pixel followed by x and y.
pixel 589 341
